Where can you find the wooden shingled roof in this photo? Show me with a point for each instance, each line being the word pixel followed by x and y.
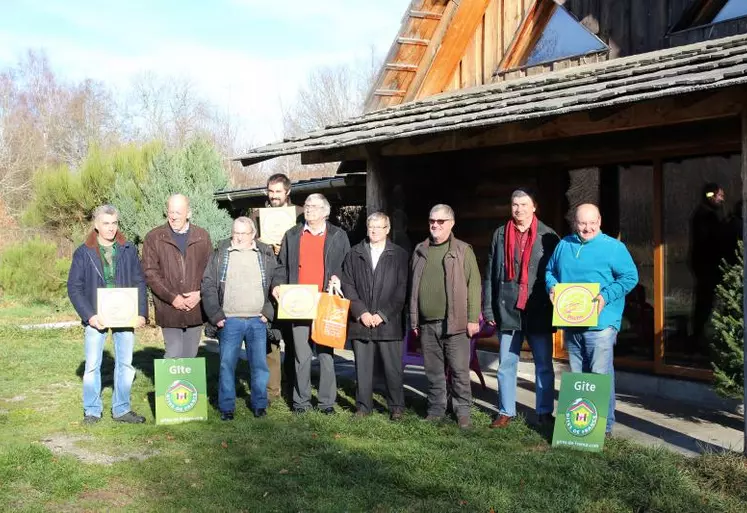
pixel 703 66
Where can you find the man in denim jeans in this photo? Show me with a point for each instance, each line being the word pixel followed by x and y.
pixel 235 288
pixel 590 256
pixel 517 304
pixel 106 260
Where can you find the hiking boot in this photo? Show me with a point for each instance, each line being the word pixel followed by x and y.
pixel 501 421
pixel 130 418
pixel 396 414
pixel 260 412
pixel 226 415
pixel 90 419
pixel 464 422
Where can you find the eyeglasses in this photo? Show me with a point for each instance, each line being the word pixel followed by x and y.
pixel 373 227
pixel 313 207
pixel 439 222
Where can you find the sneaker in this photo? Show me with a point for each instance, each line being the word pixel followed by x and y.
pixel 130 418
pixel 464 422
pixel 501 421
pixel 226 415
pixel 90 419
pixel 260 412
pixel 396 415
pixel 328 411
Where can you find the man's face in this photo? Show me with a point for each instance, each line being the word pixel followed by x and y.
pixel 377 231
pixel 588 223
pixel 313 210
pixel 522 210
pixel 277 194
pixel 106 225
pixel 242 236
pixel 177 214
pixel 718 198
pixel 440 225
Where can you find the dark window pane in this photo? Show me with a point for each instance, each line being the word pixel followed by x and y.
pixel 563 37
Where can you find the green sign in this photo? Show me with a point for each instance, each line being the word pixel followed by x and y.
pixel 181 391
pixel 583 407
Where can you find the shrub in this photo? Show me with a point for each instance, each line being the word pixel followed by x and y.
pixel 728 324
pixel 31 270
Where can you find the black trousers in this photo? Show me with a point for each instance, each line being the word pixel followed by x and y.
pixel 391 357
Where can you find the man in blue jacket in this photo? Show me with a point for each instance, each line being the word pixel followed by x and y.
pixel 590 256
pixel 106 260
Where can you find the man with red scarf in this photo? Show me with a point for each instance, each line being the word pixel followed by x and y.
pixel 518 305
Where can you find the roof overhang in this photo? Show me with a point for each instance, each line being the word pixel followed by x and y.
pixel 652 89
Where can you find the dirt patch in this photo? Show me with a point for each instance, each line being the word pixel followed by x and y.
pixel 62 444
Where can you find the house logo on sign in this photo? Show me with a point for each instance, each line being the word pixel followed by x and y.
pixel 181 396
pixel 581 417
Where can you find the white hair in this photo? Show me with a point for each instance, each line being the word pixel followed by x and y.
pixel 446 209
pixel 316 196
pixel 109 210
pixel 247 221
pixel 378 216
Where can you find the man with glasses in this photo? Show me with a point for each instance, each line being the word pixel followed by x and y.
pixel 235 296
pixel 312 254
pixel 374 279
pixel 445 313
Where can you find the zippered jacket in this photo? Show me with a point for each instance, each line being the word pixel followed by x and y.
pixel 168 273
pixel 86 275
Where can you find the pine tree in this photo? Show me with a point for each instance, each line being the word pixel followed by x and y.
pixel 728 324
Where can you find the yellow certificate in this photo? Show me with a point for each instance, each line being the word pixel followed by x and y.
pixel 117 307
pixel 274 222
pixel 298 301
pixel 575 305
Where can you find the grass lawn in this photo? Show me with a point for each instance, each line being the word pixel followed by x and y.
pixel 15 312
pixel 310 463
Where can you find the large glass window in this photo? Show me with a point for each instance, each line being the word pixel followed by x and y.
pixel 732 9
pixel 702 223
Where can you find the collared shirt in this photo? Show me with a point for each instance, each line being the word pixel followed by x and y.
pixel 376 254
pixel 522 238
pixel 307 228
pixel 183 230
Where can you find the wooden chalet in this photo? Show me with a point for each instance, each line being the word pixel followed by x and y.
pixel 632 104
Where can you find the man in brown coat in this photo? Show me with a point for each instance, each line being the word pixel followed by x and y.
pixel 174 259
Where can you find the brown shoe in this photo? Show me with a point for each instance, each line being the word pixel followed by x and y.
pixel 501 421
pixel 396 414
pixel 465 422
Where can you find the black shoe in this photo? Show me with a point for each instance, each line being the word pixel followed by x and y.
pixel 90 419
pixel 130 418
pixel 260 412
pixel 545 419
pixel 226 415
pixel 299 411
pixel 328 411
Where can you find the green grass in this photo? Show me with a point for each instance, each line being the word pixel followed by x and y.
pixel 314 462
pixel 16 312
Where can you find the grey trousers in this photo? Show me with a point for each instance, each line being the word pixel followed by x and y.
pixel 440 349
pixel 182 342
pixel 391 358
pixel 304 346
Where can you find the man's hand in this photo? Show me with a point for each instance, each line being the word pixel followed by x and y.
pixel 552 295
pixel 491 323
pixel 600 303
pixel 221 323
pixel 192 299
pixel 140 321
pixel 95 324
pixel 367 320
pixel 276 293
pixel 180 303
pixel 263 318
pixel 276 249
pixel 473 328
pixel 376 319
pixel 334 282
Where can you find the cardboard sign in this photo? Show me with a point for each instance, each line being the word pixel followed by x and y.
pixel 298 301
pixel 583 407
pixel 274 222
pixel 181 391
pixel 117 307
pixel 575 305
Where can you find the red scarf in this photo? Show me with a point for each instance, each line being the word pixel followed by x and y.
pixel 510 250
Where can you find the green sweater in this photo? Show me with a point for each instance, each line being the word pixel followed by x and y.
pixel 432 293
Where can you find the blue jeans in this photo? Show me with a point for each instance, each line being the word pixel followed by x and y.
pixel 253 332
pixel 544 373
pixel 124 372
pixel 594 351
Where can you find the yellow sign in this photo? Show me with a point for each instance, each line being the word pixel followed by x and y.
pixel 575 305
pixel 298 301
pixel 117 307
pixel 274 222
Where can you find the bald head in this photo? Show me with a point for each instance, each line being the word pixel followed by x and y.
pixel 178 212
pixel 588 221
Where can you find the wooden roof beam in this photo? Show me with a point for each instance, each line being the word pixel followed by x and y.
pixel 426 15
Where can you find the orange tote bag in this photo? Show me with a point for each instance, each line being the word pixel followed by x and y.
pixel 330 327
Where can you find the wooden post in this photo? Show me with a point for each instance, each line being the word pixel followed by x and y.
pixel 658 231
pixel 744 284
pixel 375 199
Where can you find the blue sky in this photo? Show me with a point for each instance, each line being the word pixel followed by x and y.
pixel 247 56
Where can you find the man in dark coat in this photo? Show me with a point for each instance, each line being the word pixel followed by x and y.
pixel 174 259
pixel 518 305
pixel 106 260
pixel 235 296
pixel 312 254
pixel 374 279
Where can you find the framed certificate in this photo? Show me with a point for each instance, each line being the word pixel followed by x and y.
pixel 274 222
pixel 298 301
pixel 117 307
pixel 575 305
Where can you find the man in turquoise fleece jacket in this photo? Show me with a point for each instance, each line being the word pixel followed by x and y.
pixel 590 256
